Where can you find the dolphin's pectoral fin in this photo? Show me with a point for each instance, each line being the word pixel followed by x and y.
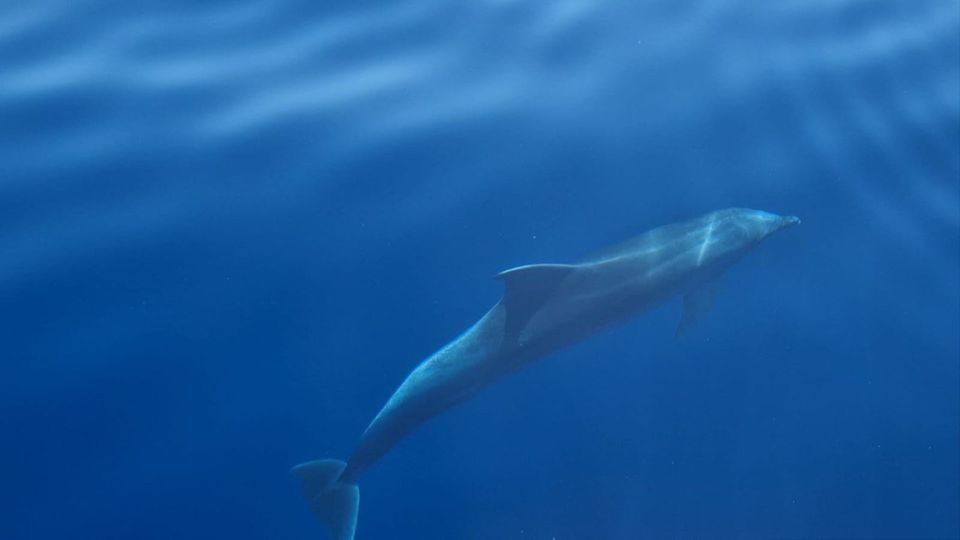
pixel 696 304
pixel 527 287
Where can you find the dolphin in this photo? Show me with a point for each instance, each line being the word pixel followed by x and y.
pixel 544 308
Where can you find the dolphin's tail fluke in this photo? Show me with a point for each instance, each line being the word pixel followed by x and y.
pixel 334 502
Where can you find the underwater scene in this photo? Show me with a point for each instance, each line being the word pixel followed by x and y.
pixel 491 270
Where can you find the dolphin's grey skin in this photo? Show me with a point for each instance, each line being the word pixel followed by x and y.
pixel 544 308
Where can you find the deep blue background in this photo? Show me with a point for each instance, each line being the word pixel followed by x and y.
pixel 229 229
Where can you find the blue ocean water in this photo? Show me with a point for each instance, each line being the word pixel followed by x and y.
pixel 229 229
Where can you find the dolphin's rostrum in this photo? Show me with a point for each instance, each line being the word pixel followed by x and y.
pixel 544 307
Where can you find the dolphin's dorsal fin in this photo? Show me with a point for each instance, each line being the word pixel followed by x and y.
pixel 696 304
pixel 527 287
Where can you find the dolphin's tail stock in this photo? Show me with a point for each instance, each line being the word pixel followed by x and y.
pixel 335 503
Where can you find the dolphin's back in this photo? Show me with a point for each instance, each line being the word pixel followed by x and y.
pixel 666 240
pixel 653 240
